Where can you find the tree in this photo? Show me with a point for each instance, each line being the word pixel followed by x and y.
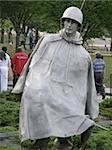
pixel 44 15
pixel 105 17
pixel 2 21
pixel 19 13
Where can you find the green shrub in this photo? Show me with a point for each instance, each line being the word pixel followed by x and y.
pixel 106 103
pixel 7 129
pixel 7 96
pixel 9 148
pixel 101 140
pixel 106 108
pixel 9 113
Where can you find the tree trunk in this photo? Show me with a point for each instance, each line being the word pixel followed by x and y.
pixel 2 35
pixel 17 39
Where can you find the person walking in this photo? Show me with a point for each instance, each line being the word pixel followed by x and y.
pixel 5 65
pixel 57 88
pixel 18 61
pixel 99 70
pixel 31 39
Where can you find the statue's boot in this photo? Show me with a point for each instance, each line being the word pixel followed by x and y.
pixel 64 144
pixel 84 137
pixel 42 144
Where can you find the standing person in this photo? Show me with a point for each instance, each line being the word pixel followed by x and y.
pixel 5 65
pixel 58 89
pixel 23 40
pixel 10 73
pixel 18 61
pixel 5 50
pixel 99 69
pixel 10 36
pixel 106 48
pixel 31 39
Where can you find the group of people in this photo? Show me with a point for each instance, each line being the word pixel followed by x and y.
pixel 32 39
pixel 57 88
pixel 10 69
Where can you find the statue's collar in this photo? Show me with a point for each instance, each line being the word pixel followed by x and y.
pixel 77 39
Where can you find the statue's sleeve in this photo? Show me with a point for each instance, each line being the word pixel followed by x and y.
pixel 18 89
pixel 92 105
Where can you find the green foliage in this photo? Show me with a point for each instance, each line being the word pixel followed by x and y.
pixel 9 148
pixel 9 113
pixel 45 15
pixel 8 96
pixel 107 103
pixel 7 128
pixel 106 108
pixel 100 140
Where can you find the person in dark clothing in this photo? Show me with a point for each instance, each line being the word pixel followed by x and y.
pixel 31 39
pixel 99 67
pixel 10 36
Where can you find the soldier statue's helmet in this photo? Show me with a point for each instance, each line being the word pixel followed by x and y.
pixel 73 13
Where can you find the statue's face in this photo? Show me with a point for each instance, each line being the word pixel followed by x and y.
pixel 71 26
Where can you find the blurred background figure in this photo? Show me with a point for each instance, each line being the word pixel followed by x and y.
pixel 5 66
pixel 31 39
pixel 99 69
pixel 5 50
pixel 106 48
pixel 10 73
pixel 18 61
pixel 23 40
pixel 10 36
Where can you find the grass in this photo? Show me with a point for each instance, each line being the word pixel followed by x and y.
pixel 106 108
pixel 9 148
pixel 108 61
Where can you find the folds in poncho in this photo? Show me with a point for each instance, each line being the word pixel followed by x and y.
pixel 59 96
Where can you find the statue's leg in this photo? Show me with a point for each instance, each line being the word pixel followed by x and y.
pixel 42 144
pixel 64 144
pixel 84 137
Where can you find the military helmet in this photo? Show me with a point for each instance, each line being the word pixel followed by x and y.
pixel 73 13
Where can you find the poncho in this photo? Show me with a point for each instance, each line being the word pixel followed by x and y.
pixel 58 90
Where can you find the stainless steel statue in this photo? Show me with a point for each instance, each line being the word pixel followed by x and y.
pixel 58 95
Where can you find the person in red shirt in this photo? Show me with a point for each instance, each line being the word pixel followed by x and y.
pixel 18 61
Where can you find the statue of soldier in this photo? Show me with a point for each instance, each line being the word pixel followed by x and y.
pixel 57 88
